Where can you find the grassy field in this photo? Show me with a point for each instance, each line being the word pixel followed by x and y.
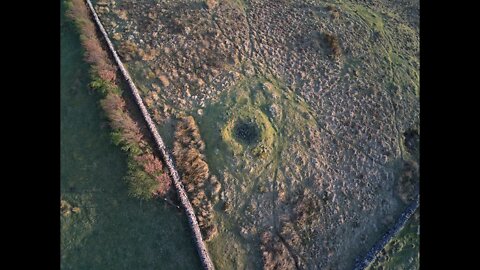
pixel 111 230
pixel 403 250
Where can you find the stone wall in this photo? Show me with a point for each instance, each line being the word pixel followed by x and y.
pixel 399 224
pixel 192 220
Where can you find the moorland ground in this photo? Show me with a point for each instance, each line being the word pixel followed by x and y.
pixel 309 113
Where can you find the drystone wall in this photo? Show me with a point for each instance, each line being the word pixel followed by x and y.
pixel 401 221
pixel 192 220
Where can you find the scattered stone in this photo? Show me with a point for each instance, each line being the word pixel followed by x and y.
pixel 275 111
pixel 117 36
pixel 164 80
pixel 211 4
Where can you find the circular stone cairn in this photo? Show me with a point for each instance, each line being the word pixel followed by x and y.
pixel 247 132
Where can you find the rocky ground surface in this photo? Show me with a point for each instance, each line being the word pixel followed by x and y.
pixel 331 90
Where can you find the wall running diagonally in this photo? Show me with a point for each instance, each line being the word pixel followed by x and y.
pixel 192 220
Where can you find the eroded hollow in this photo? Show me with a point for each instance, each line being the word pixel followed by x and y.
pixel 411 140
pixel 247 132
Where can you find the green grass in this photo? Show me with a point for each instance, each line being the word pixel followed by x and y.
pixel 249 99
pixel 248 113
pixel 240 3
pixel 400 66
pixel 112 230
pixel 246 173
pixel 369 16
pixel 403 250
